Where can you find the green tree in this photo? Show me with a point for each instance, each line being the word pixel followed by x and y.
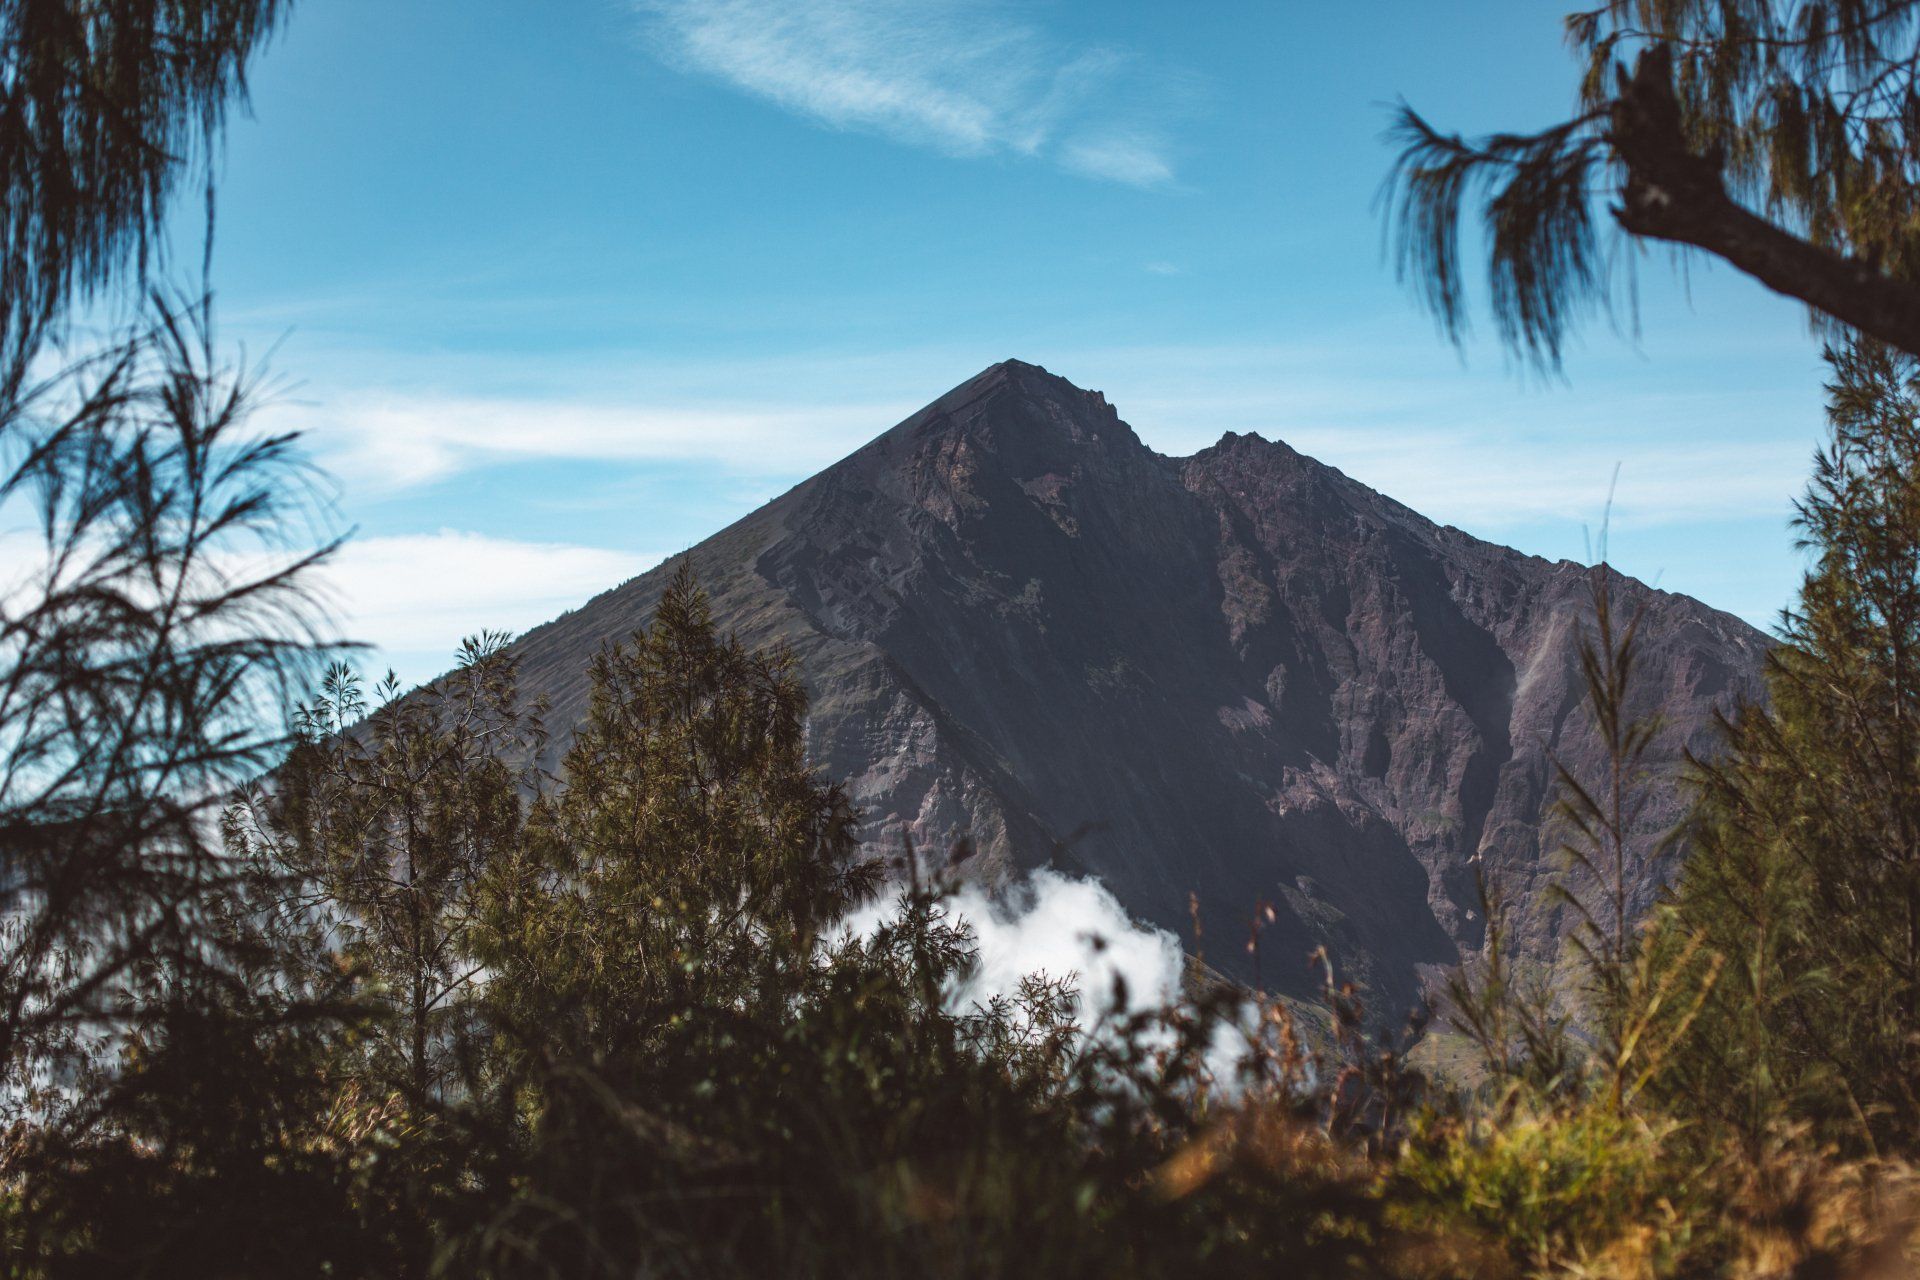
pixel 227 1140
pixel 141 657
pixel 104 110
pixel 648 941
pixel 698 1070
pixel 386 824
pixel 1634 1001
pixel 1806 865
pixel 1775 136
pixel 157 1050
pixel 692 855
pixel 159 1040
pixel 149 638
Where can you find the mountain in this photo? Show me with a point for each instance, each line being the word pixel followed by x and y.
pixel 1227 679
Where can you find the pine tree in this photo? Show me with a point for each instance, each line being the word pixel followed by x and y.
pixel 692 857
pixel 385 824
pixel 104 110
pixel 1775 135
pixel 1805 873
pixel 139 678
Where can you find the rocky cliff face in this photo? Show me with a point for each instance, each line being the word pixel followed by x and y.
pixel 1239 676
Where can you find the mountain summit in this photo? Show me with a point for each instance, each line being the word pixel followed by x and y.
pixel 1229 679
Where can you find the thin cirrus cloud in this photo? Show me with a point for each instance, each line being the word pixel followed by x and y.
pixel 412 597
pixel 965 77
pixel 1135 161
pixel 1488 472
pixel 1531 471
pixel 409 598
pixel 387 443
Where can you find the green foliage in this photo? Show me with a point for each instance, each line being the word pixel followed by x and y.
pixel 140 663
pixel 383 829
pixel 221 1141
pixel 1512 1018
pixel 696 1071
pixel 1601 814
pixel 657 1051
pixel 104 109
pixel 1807 106
pixel 1546 266
pixel 421 1008
pixel 1588 1188
pixel 692 859
pixel 1745 1104
pixel 1806 870
pixel 679 1062
pixel 1799 110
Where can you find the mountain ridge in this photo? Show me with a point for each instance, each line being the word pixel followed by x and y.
pixel 1241 674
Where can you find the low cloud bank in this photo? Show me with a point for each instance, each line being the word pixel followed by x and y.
pixel 1058 925
pixel 1063 925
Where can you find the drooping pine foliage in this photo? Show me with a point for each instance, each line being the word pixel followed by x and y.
pixel 141 663
pixel 154 1040
pixel 154 622
pixel 1776 136
pixel 104 109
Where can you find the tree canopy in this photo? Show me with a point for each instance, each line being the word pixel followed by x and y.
pixel 104 110
pixel 1775 135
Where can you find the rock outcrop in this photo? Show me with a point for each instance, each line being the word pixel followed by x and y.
pixel 1232 679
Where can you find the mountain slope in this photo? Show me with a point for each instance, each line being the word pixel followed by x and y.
pixel 1239 676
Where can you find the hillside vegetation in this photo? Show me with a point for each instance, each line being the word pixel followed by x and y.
pixel 439 1013
pixel 298 979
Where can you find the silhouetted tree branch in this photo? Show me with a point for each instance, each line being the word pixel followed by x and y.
pixel 1671 193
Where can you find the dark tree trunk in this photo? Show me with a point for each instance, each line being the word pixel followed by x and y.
pixel 1672 194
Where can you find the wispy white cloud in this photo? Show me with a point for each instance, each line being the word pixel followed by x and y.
pixel 1494 477
pixel 1473 452
pixel 1477 449
pixel 412 597
pixel 386 442
pixel 967 77
pixel 1525 466
pixel 1136 161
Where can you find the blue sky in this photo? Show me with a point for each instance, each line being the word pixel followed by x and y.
pixel 562 289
